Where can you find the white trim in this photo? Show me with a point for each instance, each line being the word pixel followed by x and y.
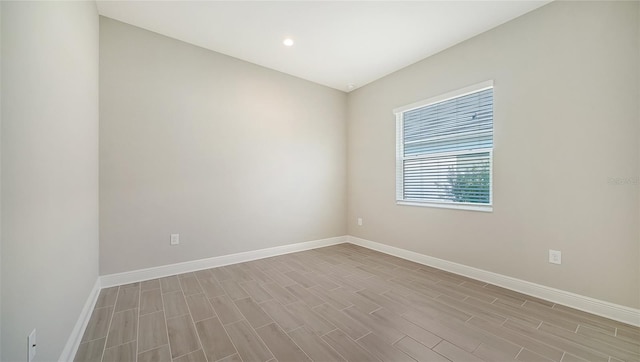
pixel 446 96
pixel 449 153
pixel 401 157
pixel 591 305
pixel 447 205
pixel 214 262
pixel 70 349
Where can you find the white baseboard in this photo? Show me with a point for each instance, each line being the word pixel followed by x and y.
pixel 598 307
pixel 70 349
pixel 195 265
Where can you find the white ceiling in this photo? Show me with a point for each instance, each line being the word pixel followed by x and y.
pixel 336 42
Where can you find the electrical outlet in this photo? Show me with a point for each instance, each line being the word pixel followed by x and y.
pixel 31 345
pixel 175 239
pixel 359 221
pixel 555 257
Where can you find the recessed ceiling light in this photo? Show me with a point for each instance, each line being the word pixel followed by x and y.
pixel 287 42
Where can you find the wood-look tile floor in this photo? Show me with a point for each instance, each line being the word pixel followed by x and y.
pixel 341 303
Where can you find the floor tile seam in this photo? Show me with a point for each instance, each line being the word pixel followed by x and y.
pixel 520 351
pixel 613 351
pixel 590 317
pixel 177 316
pixel 398 340
pixel 95 339
pixel 214 309
pixel 392 345
pixel 520 335
pixel 357 339
pixel 262 325
pixel 439 334
pixel 106 306
pixel 153 288
pixel 286 334
pixel 207 318
pixel 152 348
pixel 511 315
pixel 576 319
pixel 107 333
pixel 138 319
pixel 182 355
pixel 590 339
pixel 235 321
pixel 604 329
pixel 324 334
pixel 324 340
pixel 147 313
pixel 225 332
pixel 193 325
pixel 199 285
pixel 562 341
pixel 457 346
pixel 407 336
pixel 282 327
pixel 254 332
pixel 120 345
pixel 207 297
pixel 166 325
pixel 444 340
pixel 347 316
pixel 612 344
pixel 109 329
pixel 259 285
pixel 220 359
pixel 472 306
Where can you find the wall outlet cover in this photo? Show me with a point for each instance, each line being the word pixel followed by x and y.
pixel 555 256
pixel 31 345
pixel 175 239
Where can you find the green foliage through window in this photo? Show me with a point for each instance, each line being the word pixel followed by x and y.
pixel 471 185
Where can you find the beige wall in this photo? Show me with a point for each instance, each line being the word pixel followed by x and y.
pixel 232 156
pixel 49 171
pixel 566 121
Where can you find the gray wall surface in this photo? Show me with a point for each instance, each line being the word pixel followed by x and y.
pixel 566 136
pixel 232 156
pixel 49 172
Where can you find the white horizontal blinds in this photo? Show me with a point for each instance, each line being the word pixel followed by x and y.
pixel 460 123
pixel 446 153
pixel 458 178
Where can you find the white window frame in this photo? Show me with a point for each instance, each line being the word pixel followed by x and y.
pixel 400 153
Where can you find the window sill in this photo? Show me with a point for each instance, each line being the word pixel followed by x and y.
pixel 482 208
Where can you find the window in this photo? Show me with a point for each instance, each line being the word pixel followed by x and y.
pixel 445 150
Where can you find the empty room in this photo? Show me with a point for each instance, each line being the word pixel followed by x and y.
pixel 204 181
